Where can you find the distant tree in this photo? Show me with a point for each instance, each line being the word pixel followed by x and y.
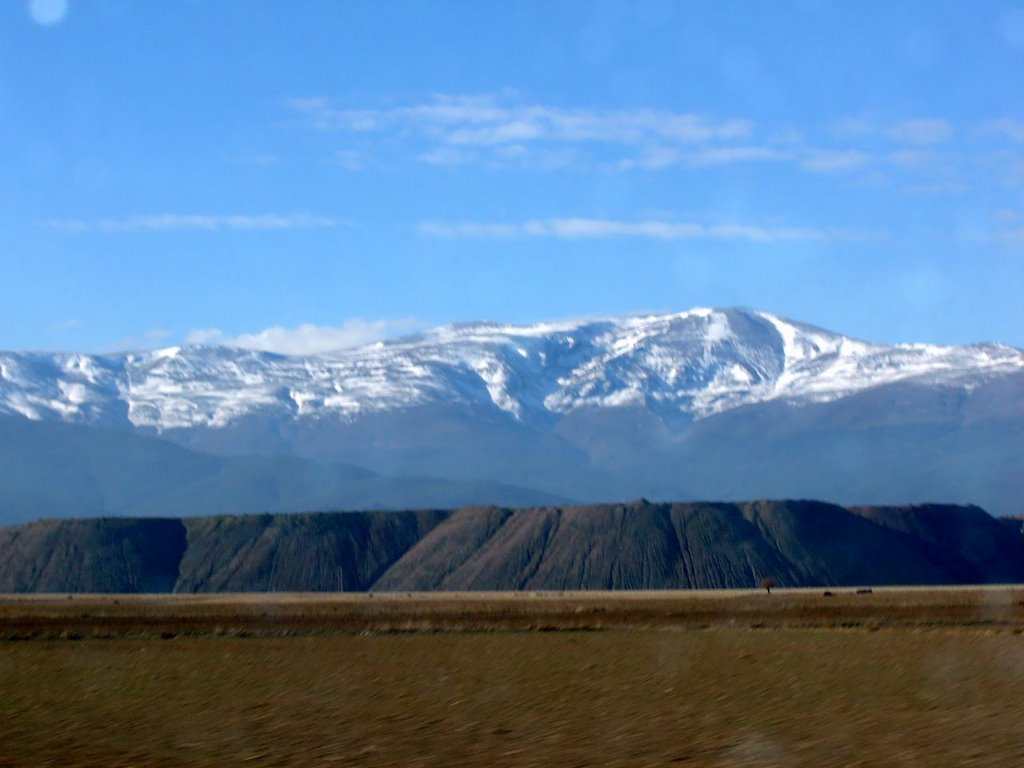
pixel 767 583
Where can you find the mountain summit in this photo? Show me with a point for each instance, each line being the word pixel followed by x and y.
pixel 693 364
pixel 707 403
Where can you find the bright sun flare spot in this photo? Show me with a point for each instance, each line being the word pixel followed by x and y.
pixel 47 12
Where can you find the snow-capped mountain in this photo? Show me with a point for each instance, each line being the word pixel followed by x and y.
pixel 712 404
pixel 693 365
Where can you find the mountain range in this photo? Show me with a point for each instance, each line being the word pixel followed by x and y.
pixel 709 403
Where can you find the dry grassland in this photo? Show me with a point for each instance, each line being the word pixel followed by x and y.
pixel 897 677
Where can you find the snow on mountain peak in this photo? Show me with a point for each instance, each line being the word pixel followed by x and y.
pixel 693 363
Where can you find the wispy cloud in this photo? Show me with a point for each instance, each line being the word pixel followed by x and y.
pixel 923 131
pixel 147 340
pixel 853 128
pixel 1013 236
pixel 307 339
pixel 351 159
pixel 445 156
pixel 1005 226
pixel 834 160
pixel 938 188
pixel 497 130
pixel 920 130
pixel 1006 128
pixel 727 155
pixel 164 222
pixel 490 121
pixel 651 229
pixel 656 158
pixel 503 131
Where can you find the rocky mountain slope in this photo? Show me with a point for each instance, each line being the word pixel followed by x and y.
pixel 726 404
pixel 640 545
pixel 693 364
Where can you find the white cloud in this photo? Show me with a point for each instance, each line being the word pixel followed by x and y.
pixel 146 340
pixel 164 222
pixel 912 158
pixel 48 12
pixel 786 137
pixel 834 160
pixel 204 336
pixel 653 159
pixel 588 229
pixel 306 339
pixel 510 131
pixel 659 157
pixel 727 155
pixel 499 132
pixel 470 230
pixel 913 131
pixel 445 156
pixel 505 131
pixel 486 121
pixel 921 131
pixel 853 127
pixel 939 188
pixel 351 159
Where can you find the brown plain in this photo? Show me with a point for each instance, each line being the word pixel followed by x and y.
pixel 897 677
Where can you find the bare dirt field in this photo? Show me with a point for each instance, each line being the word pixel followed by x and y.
pixel 896 677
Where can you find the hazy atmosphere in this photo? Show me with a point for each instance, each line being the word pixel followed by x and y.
pixel 512 384
pixel 298 177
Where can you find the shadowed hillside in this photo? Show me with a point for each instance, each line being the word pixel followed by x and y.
pixel 111 555
pixel 640 545
pixel 295 553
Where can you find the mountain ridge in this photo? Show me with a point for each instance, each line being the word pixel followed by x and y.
pixel 727 404
pixel 695 363
pixel 634 545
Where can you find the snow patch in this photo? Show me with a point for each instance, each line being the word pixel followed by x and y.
pixel 695 363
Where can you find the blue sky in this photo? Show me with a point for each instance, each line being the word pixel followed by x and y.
pixel 300 175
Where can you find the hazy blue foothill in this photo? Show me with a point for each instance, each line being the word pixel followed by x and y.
pixel 55 470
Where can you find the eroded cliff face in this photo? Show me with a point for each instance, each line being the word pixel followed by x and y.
pixel 345 552
pixel 99 555
pixel 639 545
